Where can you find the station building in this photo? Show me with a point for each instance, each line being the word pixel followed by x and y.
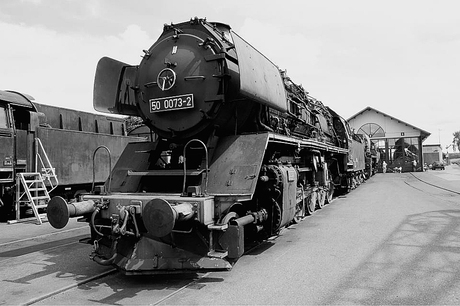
pixel 398 143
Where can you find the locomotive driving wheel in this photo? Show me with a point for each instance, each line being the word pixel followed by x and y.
pixel 311 203
pixel 330 192
pixel 300 207
pixel 321 198
pixel 276 218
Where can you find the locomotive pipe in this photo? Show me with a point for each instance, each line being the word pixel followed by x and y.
pixel 59 212
pixel 256 217
pixel 249 224
pixel 248 219
pixel 93 221
pixel 105 262
pixel 160 217
pixel 109 261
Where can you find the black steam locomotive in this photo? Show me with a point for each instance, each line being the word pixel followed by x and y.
pixel 241 151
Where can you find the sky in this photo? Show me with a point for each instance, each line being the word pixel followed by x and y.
pixel 401 57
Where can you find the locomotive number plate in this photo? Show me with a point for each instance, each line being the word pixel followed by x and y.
pixel 171 103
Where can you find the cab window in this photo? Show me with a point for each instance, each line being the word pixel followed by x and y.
pixel 3 118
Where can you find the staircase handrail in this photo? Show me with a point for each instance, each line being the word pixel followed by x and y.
pixel 48 168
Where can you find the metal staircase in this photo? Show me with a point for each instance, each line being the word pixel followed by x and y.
pixel 31 191
pixel 33 188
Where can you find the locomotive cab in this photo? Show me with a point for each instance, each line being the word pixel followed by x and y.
pixel 17 118
pixel 7 140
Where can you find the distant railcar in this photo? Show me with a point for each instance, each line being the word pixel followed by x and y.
pixel 241 152
pixel 53 143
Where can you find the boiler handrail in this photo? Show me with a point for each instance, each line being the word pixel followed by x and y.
pixel 207 166
pixel 94 168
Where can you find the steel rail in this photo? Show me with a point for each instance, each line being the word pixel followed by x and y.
pixel 180 289
pixel 41 250
pixel 66 288
pixel 41 236
pixel 433 185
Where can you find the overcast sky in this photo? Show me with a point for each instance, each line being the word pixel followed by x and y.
pixel 399 57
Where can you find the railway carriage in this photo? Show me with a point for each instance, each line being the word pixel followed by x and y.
pixel 54 146
pixel 241 152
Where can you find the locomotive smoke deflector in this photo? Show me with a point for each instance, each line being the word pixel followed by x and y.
pixel 271 90
pixel 113 93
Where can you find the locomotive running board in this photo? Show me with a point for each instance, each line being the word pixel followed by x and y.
pixel 307 143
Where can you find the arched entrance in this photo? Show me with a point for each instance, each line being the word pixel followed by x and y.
pixel 398 153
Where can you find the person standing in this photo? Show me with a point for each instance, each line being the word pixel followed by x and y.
pixel 414 165
pixel 384 167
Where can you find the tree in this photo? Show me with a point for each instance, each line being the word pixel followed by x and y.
pixel 133 122
pixel 456 140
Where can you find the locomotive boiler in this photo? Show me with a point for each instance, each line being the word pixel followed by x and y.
pixel 241 151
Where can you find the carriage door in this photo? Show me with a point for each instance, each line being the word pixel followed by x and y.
pixel 7 145
pixel 24 146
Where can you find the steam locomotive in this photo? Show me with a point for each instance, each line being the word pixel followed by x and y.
pixel 241 151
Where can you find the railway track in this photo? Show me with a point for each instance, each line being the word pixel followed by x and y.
pixel 40 269
pixel 173 283
pixel 42 287
pixel 31 268
pixel 176 283
pixel 434 185
pixel 69 287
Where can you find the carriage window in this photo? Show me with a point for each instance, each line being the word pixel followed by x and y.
pixel 3 118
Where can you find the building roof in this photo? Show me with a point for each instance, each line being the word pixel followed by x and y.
pixel 432 145
pixel 424 134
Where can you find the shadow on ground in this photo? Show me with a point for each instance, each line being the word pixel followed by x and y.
pixel 419 263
